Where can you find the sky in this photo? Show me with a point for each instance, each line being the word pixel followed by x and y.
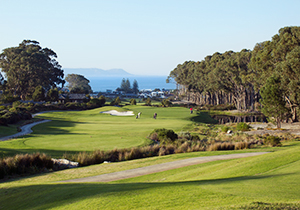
pixel 143 37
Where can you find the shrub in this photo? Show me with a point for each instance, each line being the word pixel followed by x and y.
pixel 225 129
pixel 241 126
pixel 97 101
pixel 164 135
pixel 184 135
pixel 166 103
pixel 273 141
pixel 148 102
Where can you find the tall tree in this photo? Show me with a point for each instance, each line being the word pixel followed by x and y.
pixel 28 66
pixel 273 103
pixel 280 56
pixel 78 84
pixel 135 87
pixel 125 85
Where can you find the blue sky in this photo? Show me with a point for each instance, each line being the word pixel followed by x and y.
pixel 143 37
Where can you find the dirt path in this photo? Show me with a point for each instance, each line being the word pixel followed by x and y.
pixel 160 167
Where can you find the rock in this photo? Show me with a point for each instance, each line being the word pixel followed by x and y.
pixel 65 163
pixel 229 131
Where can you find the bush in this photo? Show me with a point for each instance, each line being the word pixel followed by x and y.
pixel 166 103
pixel 243 126
pixel 273 141
pixel 163 135
pixel 97 101
pixel 148 102
pixel 225 129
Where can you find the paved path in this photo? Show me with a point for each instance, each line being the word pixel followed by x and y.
pixel 160 167
pixel 26 129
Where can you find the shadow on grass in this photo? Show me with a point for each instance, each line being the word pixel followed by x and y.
pixel 55 195
pixel 203 117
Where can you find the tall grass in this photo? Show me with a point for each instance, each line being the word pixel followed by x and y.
pixel 25 164
pixel 116 155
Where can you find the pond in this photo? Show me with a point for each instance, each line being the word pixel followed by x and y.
pixel 222 119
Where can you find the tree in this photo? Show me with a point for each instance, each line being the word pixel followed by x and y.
pixel 78 84
pixel 132 101
pixel 125 85
pixel 148 102
pixel 116 102
pixel 135 87
pixel 102 100
pixel 280 55
pixel 39 94
pixel 28 66
pixel 52 95
pixel 273 101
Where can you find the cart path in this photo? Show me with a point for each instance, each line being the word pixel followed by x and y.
pixel 160 167
pixel 26 129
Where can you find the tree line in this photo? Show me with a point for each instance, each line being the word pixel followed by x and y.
pixel 240 78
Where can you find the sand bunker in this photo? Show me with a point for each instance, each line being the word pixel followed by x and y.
pixel 116 113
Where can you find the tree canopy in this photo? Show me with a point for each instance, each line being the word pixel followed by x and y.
pixel 273 101
pixel 237 77
pixel 28 66
pixel 78 84
pixel 126 86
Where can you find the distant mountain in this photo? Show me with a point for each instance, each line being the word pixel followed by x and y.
pixel 94 72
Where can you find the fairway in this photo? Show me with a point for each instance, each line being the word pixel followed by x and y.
pixel 224 184
pixel 76 131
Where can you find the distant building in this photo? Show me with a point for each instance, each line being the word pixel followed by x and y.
pixel 72 97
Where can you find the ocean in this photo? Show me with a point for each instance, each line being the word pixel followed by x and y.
pixel 145 82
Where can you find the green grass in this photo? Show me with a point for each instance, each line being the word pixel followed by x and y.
pixel 71 132
pixel 269 178
pixel 8 130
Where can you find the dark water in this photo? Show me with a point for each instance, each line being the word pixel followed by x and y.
pixel 222 119
pixel 144 82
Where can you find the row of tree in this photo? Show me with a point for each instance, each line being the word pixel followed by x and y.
pixel 237 77
pixel 126 86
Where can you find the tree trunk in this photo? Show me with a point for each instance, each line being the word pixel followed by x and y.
pixel 278 122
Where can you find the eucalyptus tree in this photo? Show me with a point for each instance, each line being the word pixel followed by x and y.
pixel 280 56
pixel 273 102
pixel 28 66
